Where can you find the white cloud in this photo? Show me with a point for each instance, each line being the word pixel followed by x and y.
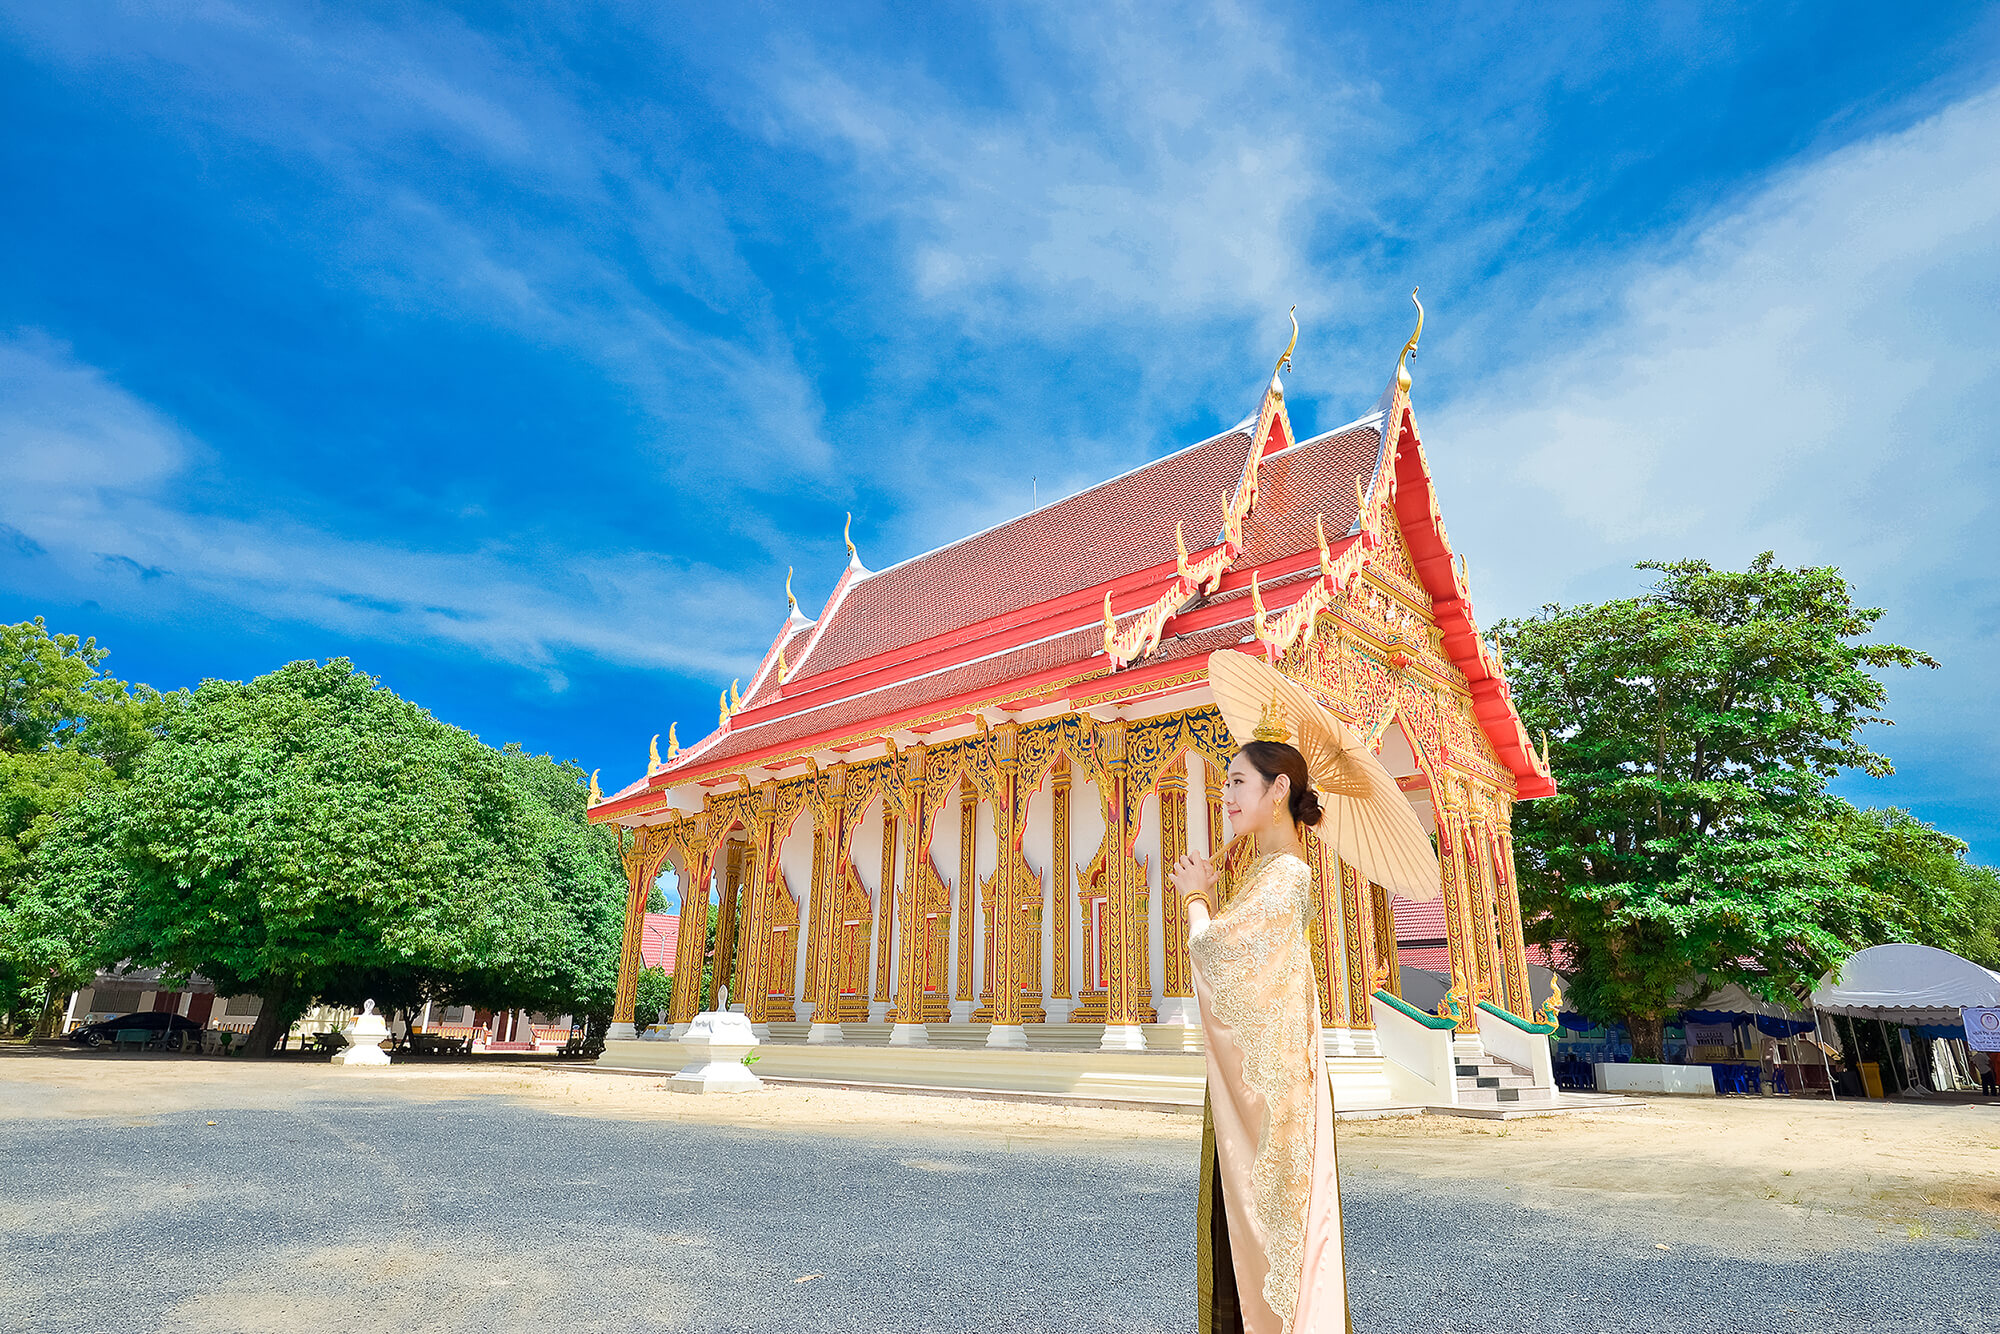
pixel 1150 168
pixel 1815 371
pixel 97 485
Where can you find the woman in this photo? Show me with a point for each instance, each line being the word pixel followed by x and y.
pixel 1270 1255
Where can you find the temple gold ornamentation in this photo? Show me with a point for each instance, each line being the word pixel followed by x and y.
pixel 963 782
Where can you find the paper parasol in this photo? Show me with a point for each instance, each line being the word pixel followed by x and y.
pixel 1368 821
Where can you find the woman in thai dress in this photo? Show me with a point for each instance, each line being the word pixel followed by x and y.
pixel 1269 1255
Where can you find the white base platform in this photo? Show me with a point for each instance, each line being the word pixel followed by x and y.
pixel 1061 1061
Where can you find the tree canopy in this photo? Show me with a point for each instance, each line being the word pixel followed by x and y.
pixel 67 730
pixel 1693 730
pixel 310 835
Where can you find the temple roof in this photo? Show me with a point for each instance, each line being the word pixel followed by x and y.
pixel 1014 616
pixel 1019 602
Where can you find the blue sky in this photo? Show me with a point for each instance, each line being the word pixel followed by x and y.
pixel 516 352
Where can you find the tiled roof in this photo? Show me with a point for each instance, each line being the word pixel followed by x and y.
pixel 658 938
pixel 1063 549
pixel 1419 921
pixel 1114 528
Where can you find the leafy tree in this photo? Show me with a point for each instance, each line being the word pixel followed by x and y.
pixel 655 994
pixel 310 835
pixel 1692 731
pixel 1924 890
pixel 67 730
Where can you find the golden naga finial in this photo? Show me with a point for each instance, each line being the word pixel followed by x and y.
pixel 1402 372
pixel 790 601
pixel 653 765
pixel 1110 626
pixel 847 535
pixel 1325 552
pixel 784 668
pixel 596 796
pixel 1180 555
pixel 723 719
pixel 1551 1011
pixel 1257 606
pixel 735 700
pixel 1285 361
pixel 673 741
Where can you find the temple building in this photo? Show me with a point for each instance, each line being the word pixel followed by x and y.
pixel 940 814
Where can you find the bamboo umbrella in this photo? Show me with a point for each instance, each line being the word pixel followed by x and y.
pixel 1368 822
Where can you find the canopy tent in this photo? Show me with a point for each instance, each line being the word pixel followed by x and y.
pixel 1731 1004
pixel 1907 984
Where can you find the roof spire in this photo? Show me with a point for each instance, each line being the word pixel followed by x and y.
pixel 847 535
pixel 790 601
pixel 1410 348
pixel 1285 361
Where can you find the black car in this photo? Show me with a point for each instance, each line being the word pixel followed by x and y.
pixel 165 1029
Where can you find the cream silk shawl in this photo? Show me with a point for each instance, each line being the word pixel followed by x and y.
pixel 1269 1146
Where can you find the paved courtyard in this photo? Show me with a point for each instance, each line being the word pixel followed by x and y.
pixel 149 1194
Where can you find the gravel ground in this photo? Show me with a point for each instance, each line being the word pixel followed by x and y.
pixel 364 1212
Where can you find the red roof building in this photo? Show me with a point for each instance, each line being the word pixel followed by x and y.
pixel 948 798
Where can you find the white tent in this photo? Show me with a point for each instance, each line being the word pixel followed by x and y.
pixel 1907 984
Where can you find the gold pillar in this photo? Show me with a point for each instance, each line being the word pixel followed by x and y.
pixel 912 926
pixel 632 846
pixel 1005 984
pixel 1125 999
pixel 698 869
pixel 1457 914
pixel 885 900
pixel 1325 943
pixel 1173 796
pixel 1513 944
pixel 829 888
pixel 1059 858
pixel 1486 915
pixel 968 886
pixel 815 909
pixel 1360 945
pixel 1386 961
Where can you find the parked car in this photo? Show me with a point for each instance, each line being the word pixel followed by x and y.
pixel 163 1027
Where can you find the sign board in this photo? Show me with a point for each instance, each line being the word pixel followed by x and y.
pixel 1982 1029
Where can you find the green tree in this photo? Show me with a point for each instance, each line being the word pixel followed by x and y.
pixel 655 994
pixel 1924 891
pixel 1692 730
pixel 67 730
pixel 310 835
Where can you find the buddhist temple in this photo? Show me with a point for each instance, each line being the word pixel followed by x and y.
pixel 937 819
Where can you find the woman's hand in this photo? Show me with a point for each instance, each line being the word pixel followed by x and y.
pixel 1194 880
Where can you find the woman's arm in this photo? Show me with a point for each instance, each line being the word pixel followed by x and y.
pixel 1194 880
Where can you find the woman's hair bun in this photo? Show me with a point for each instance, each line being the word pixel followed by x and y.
pixel 1305 806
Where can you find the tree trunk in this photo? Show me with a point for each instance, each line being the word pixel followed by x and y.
pixel 1649 1037
pixel 274 1018
pixel 54 998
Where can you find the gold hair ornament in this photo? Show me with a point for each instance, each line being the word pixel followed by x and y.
pixel 1271 725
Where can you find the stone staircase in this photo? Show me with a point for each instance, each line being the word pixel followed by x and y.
pixel 1488 1081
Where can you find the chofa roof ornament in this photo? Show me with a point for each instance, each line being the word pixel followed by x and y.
pixel 1410 348
pixel 1285 361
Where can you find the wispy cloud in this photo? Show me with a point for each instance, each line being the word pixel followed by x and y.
pixel 97 485
pixel 1815 371
pixel 1140 169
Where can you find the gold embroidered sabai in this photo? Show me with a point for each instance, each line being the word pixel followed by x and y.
pixel 1256 963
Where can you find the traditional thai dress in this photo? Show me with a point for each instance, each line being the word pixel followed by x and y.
pixel 1269 1258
